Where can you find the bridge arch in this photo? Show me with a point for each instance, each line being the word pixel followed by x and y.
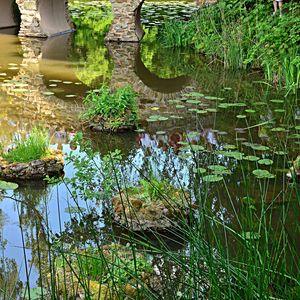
pixel 44 18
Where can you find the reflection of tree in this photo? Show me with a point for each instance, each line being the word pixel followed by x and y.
pixel 10 285
pixel 32 202
pixel 164 62
pixel 88 42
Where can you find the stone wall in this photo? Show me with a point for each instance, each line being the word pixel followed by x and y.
pixel 126 26
pixel 44 18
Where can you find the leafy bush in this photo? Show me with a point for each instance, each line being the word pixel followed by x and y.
pixel 34 147
pixel 113 109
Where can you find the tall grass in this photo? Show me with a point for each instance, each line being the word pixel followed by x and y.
pixel 35 146
pixel 252 256
pixel 243 34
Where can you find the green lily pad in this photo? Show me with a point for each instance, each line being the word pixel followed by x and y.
pixel 193 101
pixel 280 152
pixel 201 111
pixel 217 168
pixel 278 129
pixel 259 173
pixel 259 147
pixel 266 162
pixel 232 154
pixel 195 95
pixel 199 170
pixel 229 147
pixel 211 109
pixel 212 178
pixel 196 148
pixel 277 101
pixel 251 158
pixel 8 186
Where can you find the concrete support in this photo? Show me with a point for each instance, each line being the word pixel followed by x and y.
pixel 126 25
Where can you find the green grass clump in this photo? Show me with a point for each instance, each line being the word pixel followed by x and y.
pixel 34 147
pixel 112 109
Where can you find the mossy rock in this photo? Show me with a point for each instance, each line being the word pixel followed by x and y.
pixel 137 212
pixel 50 165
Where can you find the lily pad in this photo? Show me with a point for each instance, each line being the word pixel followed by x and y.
pixel 251 158
pixel 259 147
pixel 9 186
pixel 212 178
pixel 259 173
pixel 199 170
pixel 229 147
pixel 266 162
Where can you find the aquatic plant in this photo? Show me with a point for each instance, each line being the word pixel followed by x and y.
pixel 112 110
pixel 35 146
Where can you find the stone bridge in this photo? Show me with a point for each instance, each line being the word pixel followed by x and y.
pixel 36 18
pixel 46 18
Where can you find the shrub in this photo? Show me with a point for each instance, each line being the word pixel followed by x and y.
pixel 113 109
pixel 34 147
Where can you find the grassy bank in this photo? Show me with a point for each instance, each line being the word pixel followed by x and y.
pixel 244 34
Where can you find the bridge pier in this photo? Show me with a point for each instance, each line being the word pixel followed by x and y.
pixel 39 18
pixel 126 26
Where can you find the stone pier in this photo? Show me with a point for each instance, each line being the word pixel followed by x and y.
pixel 36 18
pixel 126 26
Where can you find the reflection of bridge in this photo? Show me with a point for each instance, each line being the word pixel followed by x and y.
pixel 28 101
pixel 25 100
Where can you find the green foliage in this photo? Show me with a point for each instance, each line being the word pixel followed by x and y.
pixel 34 147
pixel 116 109
pixel 244 34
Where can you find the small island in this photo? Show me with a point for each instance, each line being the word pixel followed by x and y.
pixel 31 158
pixel 109 111
pixel 153 205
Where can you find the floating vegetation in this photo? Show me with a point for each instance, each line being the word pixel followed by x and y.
pixel 212 178
pixel 8 186
pixel 262 174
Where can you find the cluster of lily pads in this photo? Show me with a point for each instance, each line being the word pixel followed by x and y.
pixel 202 105
pixel 156 13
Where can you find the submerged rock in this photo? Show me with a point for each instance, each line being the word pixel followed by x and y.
pixel 50 165
pixel 105 272
pixel 140 213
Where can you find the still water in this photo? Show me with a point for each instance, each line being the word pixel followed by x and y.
pixel 43 84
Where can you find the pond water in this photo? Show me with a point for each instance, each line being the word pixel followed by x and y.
pixel 43 84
